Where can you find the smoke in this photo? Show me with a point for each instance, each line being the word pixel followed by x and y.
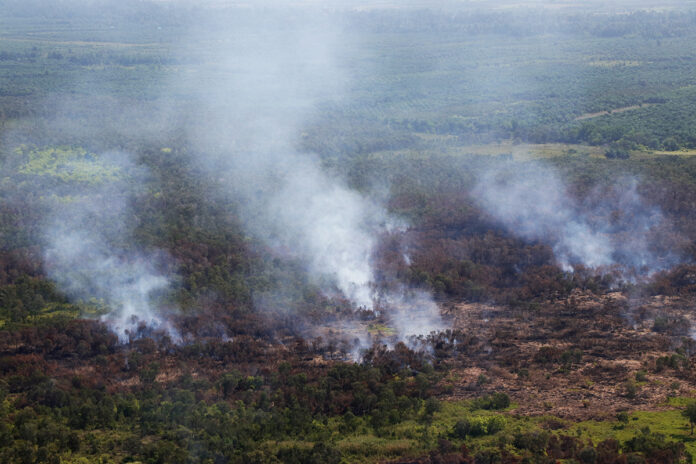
pixel 252 79
pixel 328 225
pixel 412 312
pixel 258 83
pixel 611 228
pixel 89 250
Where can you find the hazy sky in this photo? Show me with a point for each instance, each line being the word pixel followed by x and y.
pixel 595 5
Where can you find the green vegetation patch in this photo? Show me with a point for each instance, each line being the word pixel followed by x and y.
pixel 670 423
pixel 68 164
pixel 375 329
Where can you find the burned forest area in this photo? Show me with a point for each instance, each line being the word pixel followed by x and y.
pixel 347 232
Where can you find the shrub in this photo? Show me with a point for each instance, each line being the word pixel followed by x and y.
pixel 587 455
pixel 461 429
pixel 432 405
pixel 478 426
pixel 488 456
pixel 495 424
pixel 532 441
pixel 547 355
pixel 630 389
pixel 496 401
pixel 573 356
pixel 655 447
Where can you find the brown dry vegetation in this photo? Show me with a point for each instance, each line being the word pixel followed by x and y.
pixel 530 354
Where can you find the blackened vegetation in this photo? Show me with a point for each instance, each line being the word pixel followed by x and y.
pixel 544 447
pixel 263 372
pixel 246 376
pixel 68 382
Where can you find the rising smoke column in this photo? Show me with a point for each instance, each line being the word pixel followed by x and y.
pixel 90 253
pixel 611 228
pixel 265 75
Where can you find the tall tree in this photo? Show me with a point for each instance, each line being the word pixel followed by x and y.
pixel 690 413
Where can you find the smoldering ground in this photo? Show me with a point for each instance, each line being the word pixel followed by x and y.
pixel 613 228
pixel 264 79
pixel 257 77
pixel 254 78
pixel 89 248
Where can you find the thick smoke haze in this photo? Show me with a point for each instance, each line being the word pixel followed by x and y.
pixel 253 79
pixel 261 81
pixel 89 250
pixel 609 228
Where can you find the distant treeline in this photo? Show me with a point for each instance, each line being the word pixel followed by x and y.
pixel 529 22
pixel 477 21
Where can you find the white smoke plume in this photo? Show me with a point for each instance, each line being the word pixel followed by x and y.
pixel 609 229
pixel 412 312
pixel 264 77
pixel 89 251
